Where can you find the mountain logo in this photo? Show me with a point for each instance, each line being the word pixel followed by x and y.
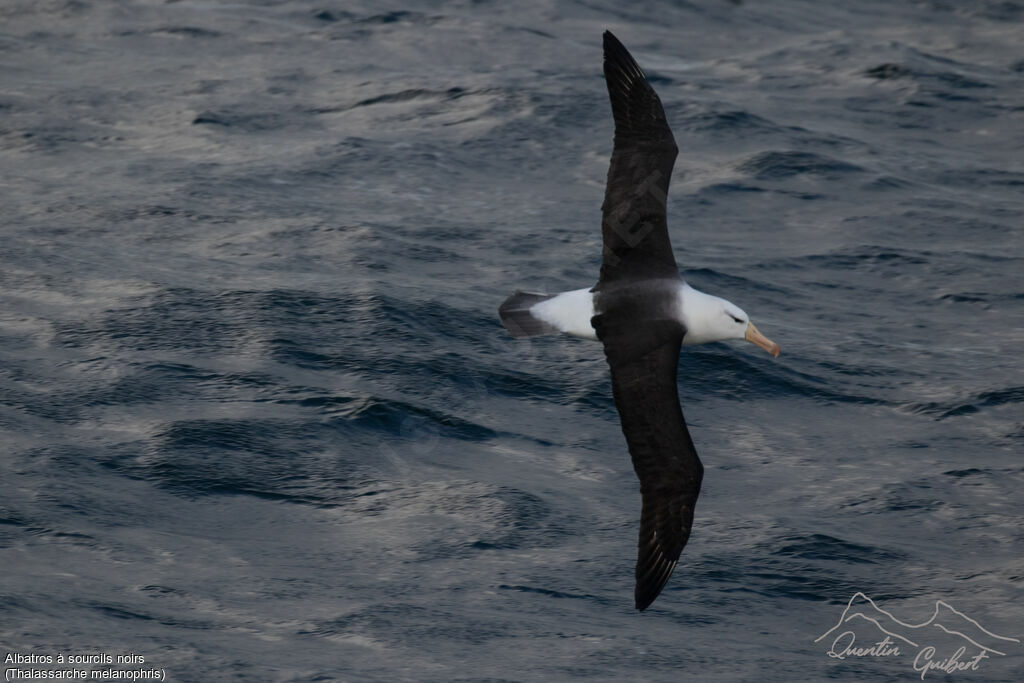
pixel 948 641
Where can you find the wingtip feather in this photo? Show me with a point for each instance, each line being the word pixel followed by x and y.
pixel 617 56
pixel 655 578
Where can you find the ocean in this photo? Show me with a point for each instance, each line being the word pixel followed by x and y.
pixel 259 419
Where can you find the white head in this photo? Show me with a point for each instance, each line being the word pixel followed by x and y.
pixel 710 318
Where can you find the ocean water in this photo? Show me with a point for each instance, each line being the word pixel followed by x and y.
pixel 259 419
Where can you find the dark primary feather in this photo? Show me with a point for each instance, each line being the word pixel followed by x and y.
pixel 636 323
pixel 633 227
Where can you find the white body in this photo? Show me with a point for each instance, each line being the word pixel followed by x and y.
pixel 569 312
pixel 706 318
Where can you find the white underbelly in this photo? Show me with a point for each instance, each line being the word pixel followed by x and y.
pixel 569 312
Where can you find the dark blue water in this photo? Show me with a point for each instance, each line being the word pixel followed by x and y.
pixel 260 421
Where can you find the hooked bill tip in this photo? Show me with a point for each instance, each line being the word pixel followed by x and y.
pixel 754 336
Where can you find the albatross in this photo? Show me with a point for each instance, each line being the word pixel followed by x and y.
pixel 642 311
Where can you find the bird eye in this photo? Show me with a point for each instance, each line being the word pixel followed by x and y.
pixel 735 318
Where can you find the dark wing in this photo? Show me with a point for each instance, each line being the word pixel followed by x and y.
pixel 635 233
pixel 663 456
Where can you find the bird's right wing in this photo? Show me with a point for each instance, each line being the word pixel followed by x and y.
pixel 663 456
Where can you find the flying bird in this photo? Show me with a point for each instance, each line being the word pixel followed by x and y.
pixel 642 311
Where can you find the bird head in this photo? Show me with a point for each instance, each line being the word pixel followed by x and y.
pixel 711 318
pixel 732 321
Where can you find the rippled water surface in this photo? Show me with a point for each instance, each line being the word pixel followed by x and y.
pixel 260 421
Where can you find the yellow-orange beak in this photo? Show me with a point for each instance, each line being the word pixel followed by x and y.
pixel 755 337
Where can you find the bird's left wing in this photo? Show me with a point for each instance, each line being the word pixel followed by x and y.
pixel 633 227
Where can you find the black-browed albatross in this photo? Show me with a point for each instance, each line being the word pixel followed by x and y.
pixel 642 311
